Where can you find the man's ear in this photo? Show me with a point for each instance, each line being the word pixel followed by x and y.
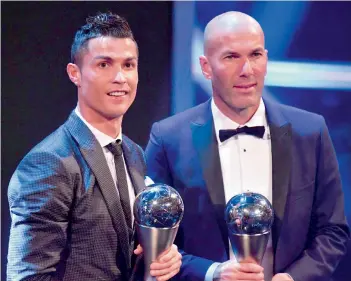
pixel 266 51
pixel 205 67
pixel 74 73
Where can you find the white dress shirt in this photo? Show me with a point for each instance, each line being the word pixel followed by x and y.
pixel 246 164
pixel 104 140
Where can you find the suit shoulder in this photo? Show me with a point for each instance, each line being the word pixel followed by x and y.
pixel 177 121
pixel 55 143
pixel 303 121
pixel 52 152
pixel 50 159
pixel 297 115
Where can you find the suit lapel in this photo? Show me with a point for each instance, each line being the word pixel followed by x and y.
pixel 93 154
pixel 281 141
pixel 131 157
pixel 132 160
pixel 205 142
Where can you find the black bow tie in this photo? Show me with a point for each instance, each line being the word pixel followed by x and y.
pixel 257 131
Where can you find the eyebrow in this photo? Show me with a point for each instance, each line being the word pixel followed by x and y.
pixel 107 58
pixel 259 49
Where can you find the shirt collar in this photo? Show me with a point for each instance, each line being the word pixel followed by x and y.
pixel 223 122
pixel 101 137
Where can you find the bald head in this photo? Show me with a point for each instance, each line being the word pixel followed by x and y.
pixel 230 22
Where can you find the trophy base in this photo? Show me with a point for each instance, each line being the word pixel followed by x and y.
pixel 154 241
pixel 249 247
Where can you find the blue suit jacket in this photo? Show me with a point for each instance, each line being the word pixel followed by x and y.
pixel 309 232
pixel 67 219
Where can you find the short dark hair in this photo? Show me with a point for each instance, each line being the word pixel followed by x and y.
pixel 103 24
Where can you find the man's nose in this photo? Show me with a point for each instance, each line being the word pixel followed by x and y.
pixel 120 77
pixel 247 68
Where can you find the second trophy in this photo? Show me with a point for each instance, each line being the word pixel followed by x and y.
pixel 249 217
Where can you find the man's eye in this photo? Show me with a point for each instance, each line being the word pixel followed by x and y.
pixel 230 57
pixel 257 54
pixel 103 64
pixel 129 65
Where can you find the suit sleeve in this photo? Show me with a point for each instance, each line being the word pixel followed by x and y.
pixel 328 228
pixel 40 195
pixel 160 170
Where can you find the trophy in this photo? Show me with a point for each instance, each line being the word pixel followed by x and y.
pixel 249 217
pixel 158 210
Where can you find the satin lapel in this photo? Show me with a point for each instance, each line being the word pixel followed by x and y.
pixel 281 142
pixel 93 154
pixel 205 142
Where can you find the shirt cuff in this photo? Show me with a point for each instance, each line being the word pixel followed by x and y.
pixel 210 271
pixel 148 181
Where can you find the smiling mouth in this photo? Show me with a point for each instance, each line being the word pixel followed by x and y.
pixel 117 93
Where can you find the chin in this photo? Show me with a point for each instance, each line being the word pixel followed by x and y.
pixel 251 101
pixel 112 114
pixel 118 111
pixel 244 103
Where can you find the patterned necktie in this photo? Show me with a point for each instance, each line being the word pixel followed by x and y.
pixel 257 131
pixel 122 184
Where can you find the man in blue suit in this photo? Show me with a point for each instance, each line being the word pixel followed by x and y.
pixel 238 141
pixel 71 196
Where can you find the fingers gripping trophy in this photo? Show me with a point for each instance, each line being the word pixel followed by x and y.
pixel 158 210
pixel 249 217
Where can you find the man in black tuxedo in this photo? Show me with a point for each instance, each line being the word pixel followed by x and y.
pixel 238 141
